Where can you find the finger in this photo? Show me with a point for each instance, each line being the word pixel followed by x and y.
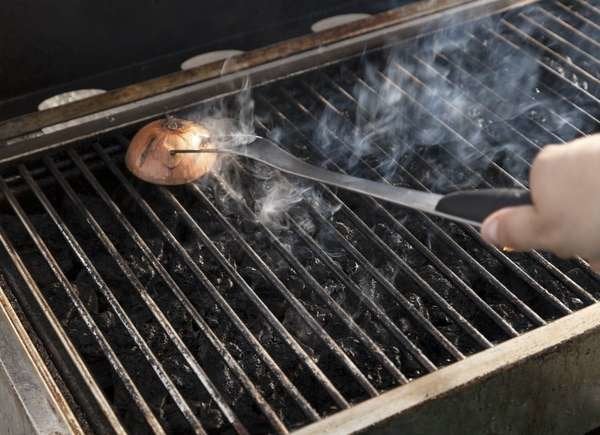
pixel 595 265
pixel 514 227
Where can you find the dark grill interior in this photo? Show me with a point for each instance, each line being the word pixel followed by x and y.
pixel 193 309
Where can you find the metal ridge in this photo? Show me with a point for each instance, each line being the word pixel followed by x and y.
pixel 31 383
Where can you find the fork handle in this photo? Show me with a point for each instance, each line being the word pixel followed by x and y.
pixel 476 205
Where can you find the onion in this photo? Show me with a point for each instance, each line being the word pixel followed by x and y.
pixel 149 154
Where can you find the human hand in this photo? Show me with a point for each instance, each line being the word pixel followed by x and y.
pixel 565 218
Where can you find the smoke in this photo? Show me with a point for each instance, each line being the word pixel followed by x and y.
pixel 267 192
pixel 462 101
pixel 281 194
pixel 462 104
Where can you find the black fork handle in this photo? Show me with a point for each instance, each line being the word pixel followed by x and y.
pixel 476 205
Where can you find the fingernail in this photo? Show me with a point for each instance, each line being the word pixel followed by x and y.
pixel 489 231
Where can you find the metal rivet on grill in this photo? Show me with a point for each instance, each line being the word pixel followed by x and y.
pixel 65 98
pixel 208 57
pixel 336 20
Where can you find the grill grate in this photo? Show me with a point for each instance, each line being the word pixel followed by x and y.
pixel 184 308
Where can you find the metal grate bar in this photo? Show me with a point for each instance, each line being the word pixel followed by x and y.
pixel 539 258
pixel 489 111
pixel 207 383
pixel 574 287
pixel 525 309
pixel 422 284
pixel 553 53
pixel 62 335
pixel 565 25
pixel 15 181
pixel 345 317
pixel 342 276
pixel 513 298
pixel 543 64
pixel 79 251
pixel 588 6
pixel 576 14
pixel 406 268
pixel 287 337
pixel 474 297
pixel 532 315
pixel 376 172
pixel 127 322
pixel 306 316
pixel 439 263
pixel 521 272
pixel 479 84
pixel 556 37
pixel 550 87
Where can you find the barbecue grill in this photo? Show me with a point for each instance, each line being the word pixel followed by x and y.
pixel 255 302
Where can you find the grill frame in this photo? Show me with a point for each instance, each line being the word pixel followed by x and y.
pixel 486 364
pixel 547 377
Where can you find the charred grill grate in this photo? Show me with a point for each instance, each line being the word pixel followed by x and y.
pixel 184 308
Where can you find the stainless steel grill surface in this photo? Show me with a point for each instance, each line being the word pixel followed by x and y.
pixel 256 302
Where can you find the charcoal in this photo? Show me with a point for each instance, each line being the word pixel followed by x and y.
pixel 419 304
pixel 336 290
pixel 167 214
pixel 141 267
pixel 84 339
pixel 87 290
pixel 346 231
pixel 306 221
pixel 15 230
pixel 292 321
pixel 43 225
pixel 156 337
pixel 106 320
pixel 350 346
pixel 113 277
pixel 210 416
pixel 438 317
pixel 174 420
pixel 388 269
pixel 39 268
pixel 179 317
pixel 438 282
pixel 129 415
pixel 318 269
pixel 99 211
pixel 351 267
pixel 403 248
pixel 102 371
pixel 201 255
pixel 61 304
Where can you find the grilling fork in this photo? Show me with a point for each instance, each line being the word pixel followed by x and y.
pixel 466 206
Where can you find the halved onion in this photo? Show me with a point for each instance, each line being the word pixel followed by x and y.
pixel 149 154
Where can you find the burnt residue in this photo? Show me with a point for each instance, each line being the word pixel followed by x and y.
pixel 147 150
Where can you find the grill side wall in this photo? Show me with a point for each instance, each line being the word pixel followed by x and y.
pixel 557 392
pixel 27 404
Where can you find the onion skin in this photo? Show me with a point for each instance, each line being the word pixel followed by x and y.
pixel 149 154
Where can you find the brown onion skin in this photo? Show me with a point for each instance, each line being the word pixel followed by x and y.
pixel 149 154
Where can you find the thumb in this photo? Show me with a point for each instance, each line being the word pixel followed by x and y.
pixel 514 227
